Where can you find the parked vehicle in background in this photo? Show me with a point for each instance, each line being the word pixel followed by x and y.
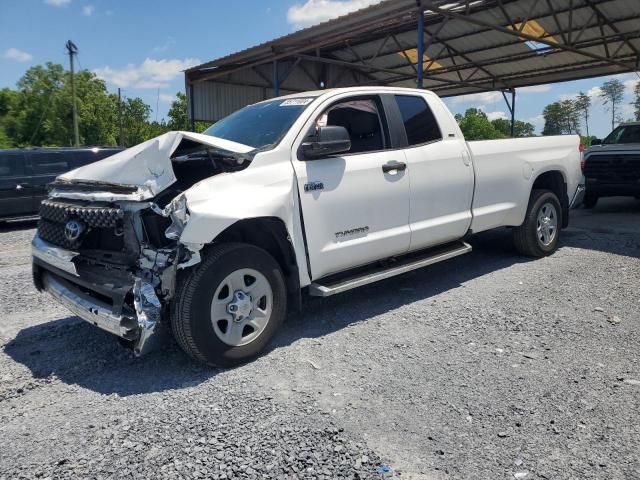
pixel 25 173
pixel 215 235
pixel 612 165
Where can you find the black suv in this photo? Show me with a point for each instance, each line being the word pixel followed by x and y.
pixel 612 165
pixel 25 173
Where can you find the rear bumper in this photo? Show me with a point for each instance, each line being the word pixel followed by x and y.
pixel 604 188
pixel 117 302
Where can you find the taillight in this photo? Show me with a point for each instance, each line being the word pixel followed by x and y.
pixel 581 150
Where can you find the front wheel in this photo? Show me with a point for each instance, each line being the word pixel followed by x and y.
pixel 538 235
pixel 229 306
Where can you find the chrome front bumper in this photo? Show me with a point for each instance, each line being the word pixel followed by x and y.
pixel 87 308
pixel 75 293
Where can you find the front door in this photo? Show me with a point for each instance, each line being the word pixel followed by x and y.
pixel 355 206
pixel 15 186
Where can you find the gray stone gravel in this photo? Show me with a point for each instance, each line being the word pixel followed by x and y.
pixel 486 366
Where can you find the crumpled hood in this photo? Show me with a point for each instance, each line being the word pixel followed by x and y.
pixel 147 167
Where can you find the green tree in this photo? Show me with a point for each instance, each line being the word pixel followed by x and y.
pixel 135 115
pixel 39 111
pixel 636 101
pixel 552 114
pixel 612 94
pixel 7 101
pixel 476 126
pixel 520 128
pixel 179 118
pixel 583 105
pixel 561 118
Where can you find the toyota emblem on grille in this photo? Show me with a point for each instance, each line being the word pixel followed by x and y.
pixel 72 230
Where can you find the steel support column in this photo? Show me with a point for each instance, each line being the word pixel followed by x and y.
pixel 512 109
pixel 192 116
pixel 276 80
pixel 513 112
pixel 420 40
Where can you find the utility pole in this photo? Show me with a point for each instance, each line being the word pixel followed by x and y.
pixel 120 130
pixel 73 50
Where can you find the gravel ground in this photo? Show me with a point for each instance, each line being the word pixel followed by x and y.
pixel 484 367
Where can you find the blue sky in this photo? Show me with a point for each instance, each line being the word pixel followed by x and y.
pixel 142 45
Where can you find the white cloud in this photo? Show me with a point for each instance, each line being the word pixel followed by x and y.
pixel 88 10
pixel 484 98
pixel 168 98
pixel 17 55
pixel 495 115
pixel 166 45
pixel 629 85
pixel 594 92
pixel 316 11
pixel 538 120
pixel 149 74
pixel 57 3
pixel 535 89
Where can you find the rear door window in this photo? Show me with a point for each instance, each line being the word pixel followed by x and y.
pixel 50 163
pixel 419 122
pixel 11 165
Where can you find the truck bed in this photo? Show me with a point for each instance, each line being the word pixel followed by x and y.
pixel 506 169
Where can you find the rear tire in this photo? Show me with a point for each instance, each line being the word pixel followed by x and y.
pixel 538 235
pixel 590 201
pixel 232 277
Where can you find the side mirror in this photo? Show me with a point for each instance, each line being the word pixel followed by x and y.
pixel 596 141
pixel 328 140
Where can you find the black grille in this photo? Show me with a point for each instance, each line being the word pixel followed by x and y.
pixel 53 232
pixel 55 215
pixel 614 167
pixel 99 217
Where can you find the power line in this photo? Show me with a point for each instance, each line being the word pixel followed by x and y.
pixel 73 50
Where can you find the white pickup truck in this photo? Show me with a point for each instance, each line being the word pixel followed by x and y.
pixel 216 235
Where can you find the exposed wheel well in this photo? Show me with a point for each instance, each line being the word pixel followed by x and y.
pixel 554 181
pixel 270 234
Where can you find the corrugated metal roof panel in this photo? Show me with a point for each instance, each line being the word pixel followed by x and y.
pixel 473 47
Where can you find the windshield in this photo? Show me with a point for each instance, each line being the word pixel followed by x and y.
pixel 624 134
pixel 261 125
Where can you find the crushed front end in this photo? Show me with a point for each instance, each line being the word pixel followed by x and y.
pixel 111 263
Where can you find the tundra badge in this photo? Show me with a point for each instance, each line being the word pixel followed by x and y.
pixel 311 186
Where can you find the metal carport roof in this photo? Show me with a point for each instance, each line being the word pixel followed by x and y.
pixel 450 47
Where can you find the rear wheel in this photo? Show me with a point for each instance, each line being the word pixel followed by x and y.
pixel 539 233
pixel 228 308
pixel 590 201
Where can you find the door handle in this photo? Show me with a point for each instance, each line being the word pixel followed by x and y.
pixel 391 166
pixel 20 186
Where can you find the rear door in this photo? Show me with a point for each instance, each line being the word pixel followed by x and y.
pixel 441 173
pixel 15 186
pixel 355 208
pixel 46 166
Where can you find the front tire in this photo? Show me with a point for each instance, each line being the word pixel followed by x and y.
pixel 229 306
pixel 539 233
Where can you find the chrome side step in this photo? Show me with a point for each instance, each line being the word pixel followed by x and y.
pixel 398 268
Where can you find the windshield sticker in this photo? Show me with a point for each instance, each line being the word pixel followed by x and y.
pixel 296 102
